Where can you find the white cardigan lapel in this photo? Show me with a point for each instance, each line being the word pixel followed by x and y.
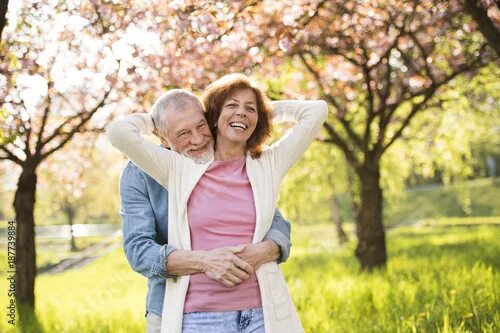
pixel 259 232
pixel 195 173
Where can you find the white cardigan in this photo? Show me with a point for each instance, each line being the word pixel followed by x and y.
pixel 180 174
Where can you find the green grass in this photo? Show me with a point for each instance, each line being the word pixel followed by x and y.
pixel 105 296
pixel 471 198
pixel 460 221
pixel 438 280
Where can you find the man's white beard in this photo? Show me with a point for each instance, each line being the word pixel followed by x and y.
pixel 207 156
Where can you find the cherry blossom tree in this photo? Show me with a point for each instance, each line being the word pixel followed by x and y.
pixel 65 70
pixel 54 80
pixel 378 64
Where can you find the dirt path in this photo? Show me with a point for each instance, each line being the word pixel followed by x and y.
pixel 86 256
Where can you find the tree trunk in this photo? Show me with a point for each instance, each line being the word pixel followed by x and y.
pixel 485 23
pixel 70 215
pixel 354 190
pixel 371 250
pixel 24 203
pixel 3 15
pixel 337 219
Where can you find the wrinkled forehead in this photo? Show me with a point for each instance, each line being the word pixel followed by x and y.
pixel 184 114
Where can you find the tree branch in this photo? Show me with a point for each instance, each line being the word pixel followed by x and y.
pixel 387 113
pixel 409 62
pixel 10 156
pixel 78 127
pixel 387 52
pixel 366 75
pixel 330 50
pixel 27 150
pixel 46 111
pixel 415 108
pixel 429 92
pixel 28 128
pixel 3 13
pixel 371 99
pixel 84 116
pixel 384 92
pixel 234 20
pixel 338 141
pixel 485 24
pixel 314 14
pixel 340 109
pixel 425 56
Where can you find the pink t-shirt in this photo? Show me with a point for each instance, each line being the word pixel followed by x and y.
pixel 221 212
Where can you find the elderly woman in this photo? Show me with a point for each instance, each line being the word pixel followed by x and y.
pixel 229 199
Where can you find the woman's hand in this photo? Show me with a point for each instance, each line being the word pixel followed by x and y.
pixel 223 265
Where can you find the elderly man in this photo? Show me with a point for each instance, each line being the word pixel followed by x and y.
pixel 144 213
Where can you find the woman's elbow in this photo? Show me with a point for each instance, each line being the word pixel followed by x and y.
pixel 113 133
pixel 322 109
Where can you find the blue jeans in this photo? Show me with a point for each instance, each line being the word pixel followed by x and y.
pixel 244 321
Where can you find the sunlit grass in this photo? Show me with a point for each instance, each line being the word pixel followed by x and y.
pixel 472 198
pixel 437 280
pixel 106 296
pixel 454 221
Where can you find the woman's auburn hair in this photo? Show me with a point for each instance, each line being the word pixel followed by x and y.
pixel 219 91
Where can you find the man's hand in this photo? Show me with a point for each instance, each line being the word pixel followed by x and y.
pixel 223 265
pixel 260 253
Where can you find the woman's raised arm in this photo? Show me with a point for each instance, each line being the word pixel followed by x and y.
pixel 309 116
pixel 125 135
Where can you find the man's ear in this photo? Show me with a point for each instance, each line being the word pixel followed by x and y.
pixel 162 137
pixel 164 141
pixel 165 144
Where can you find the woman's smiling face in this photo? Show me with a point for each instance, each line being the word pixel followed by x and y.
pixel 238 117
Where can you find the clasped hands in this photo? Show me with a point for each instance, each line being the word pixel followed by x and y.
pixel 232 265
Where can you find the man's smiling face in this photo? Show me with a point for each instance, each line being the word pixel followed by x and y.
pixel 188 132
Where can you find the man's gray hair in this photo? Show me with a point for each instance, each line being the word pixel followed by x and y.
pixel 174 98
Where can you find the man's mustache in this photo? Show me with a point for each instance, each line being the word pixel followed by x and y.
pixel 199 147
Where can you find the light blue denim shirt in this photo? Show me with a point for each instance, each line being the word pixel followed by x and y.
pixel 144 211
